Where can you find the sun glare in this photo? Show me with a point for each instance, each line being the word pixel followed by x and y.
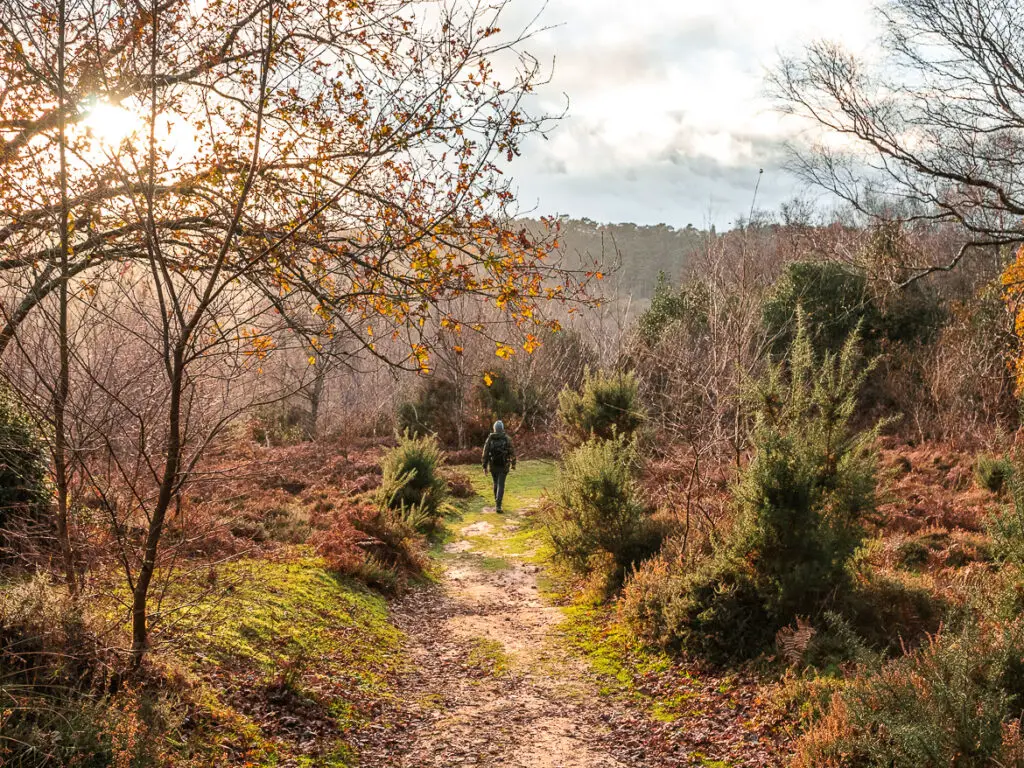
pixel 110 124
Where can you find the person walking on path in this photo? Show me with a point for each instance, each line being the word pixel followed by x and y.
pixel 499 457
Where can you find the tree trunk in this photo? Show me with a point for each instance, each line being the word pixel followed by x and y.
pixel 60 396
pixel 168 486
pixel 316 395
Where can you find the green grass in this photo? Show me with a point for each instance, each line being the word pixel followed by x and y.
pixel 327 639
pixel 524 489
pixel 490 657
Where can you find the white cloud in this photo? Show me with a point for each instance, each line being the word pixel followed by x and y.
pixel 667 117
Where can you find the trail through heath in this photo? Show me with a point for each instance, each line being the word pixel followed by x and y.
pixel 490 682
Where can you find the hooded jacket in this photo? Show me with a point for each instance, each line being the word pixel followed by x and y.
pixel 498 450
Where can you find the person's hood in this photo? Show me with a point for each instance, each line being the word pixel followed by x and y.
pixel 499 427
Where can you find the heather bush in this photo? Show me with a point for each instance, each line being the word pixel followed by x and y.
pixel 287 524
pixel 412 482
pixel 606 405
pixel 957 701
pixel 649 598
pixel 596 507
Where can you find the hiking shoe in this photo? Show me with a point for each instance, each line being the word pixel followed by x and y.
pixel 498 510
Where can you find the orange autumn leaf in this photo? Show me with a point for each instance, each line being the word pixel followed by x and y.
pixel 1012 280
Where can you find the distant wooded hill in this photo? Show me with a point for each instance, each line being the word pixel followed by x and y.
pixel 638 252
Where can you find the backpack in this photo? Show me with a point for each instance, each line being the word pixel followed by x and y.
pixel 500 451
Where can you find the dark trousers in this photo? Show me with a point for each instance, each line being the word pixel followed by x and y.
pixel 499 475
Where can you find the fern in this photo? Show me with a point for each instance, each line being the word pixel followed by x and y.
pixel 792 642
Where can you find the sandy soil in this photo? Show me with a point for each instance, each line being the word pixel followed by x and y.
pixel 489 684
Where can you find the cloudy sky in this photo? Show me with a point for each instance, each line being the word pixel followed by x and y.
pixel 667 119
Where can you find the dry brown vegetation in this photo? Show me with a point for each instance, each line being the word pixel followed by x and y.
pixel 243 390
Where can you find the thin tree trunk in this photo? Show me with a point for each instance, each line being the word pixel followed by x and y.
pixel 316 395
pixel 168 485
pixel 60 399
pixel 176 355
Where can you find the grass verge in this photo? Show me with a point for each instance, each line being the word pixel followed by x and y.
pixel 284 660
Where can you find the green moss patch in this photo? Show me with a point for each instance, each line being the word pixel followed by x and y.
pixel 284 650
pixel 610 649
pixel 489 656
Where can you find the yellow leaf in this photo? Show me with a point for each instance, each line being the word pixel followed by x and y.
pixel 488 380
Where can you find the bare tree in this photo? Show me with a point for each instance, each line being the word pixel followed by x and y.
pixel 932 131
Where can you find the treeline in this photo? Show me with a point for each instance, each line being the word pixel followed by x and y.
pixel 633 254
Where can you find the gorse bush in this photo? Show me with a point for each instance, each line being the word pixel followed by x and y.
pixel 800 505
pixel 835 302
pixel 813 478
pixel 955 702
pixel 689 305
pixel 1006 527
pixel 993 472
pixel 607 405
pixel 412 481
pixel 596 509
pixel 24 471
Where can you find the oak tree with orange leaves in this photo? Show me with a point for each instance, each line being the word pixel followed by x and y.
pixel 193 180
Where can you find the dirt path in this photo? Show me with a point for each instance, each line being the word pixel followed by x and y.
pixel 489 682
